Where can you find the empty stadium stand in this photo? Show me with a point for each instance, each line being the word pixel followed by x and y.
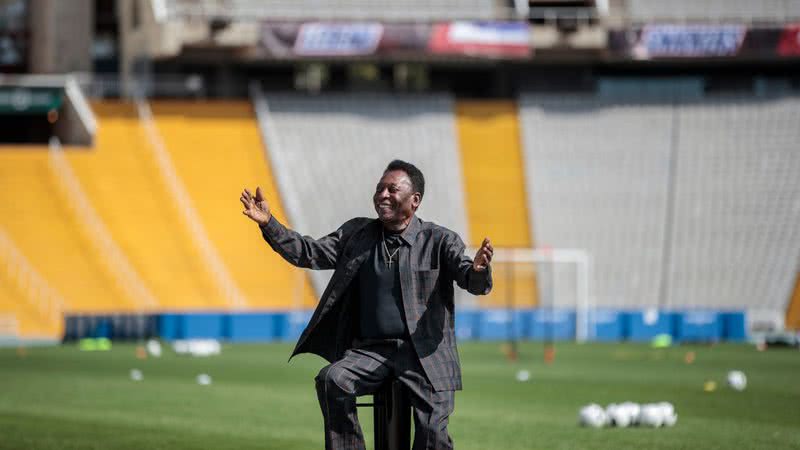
pixel 217 151
pixel 736 233
pixel 597 179
pixel 747 11
pixel 705 186
pixel 36 218
pixel 491 155
pixel 34 307
pixel 413 10
pixel 684 201
pixel 329 151
pixel 122 182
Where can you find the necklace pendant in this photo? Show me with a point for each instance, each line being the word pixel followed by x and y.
pixel 389 256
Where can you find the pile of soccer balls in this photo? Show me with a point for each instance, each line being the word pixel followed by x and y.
pixel 627 414
pixel 197 347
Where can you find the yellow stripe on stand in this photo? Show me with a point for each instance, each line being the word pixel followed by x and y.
pixel 497 207
pixel 793 310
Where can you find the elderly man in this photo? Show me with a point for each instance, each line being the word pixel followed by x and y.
pixel 388 311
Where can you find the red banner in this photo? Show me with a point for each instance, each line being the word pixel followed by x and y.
pixel 486 39
pixel 789 43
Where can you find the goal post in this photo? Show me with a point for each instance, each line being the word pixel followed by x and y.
pixel 551 280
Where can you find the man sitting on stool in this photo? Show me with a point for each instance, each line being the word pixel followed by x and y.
pixel 388 310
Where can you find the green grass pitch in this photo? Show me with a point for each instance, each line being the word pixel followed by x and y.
pixel 61 398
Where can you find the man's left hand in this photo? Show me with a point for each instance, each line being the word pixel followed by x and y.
pixel 484 256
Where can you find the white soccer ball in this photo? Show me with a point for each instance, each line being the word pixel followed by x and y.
pixel 671 420
pixel 737 380
pixel 204 379
pixel 592 415
pixel 666 408
pixel 181 347
pixel 203 347
pixel 136 375
pixel 668 415
pixel 633 410
pixel 215 348
pixel 154 348
pixel 651 415
pixel 618 415
pixel 523 375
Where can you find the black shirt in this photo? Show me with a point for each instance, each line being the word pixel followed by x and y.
pixel 381 301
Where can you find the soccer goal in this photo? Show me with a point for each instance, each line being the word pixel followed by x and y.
pixel 556 282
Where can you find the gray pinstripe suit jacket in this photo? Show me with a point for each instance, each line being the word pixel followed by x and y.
pixel 431 259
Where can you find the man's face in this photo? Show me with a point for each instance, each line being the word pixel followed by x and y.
pixel 395 200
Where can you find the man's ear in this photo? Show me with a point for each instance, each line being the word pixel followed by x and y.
pixel 416 199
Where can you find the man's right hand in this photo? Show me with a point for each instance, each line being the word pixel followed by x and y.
pixel 256 207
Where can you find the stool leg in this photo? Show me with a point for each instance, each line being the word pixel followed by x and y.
pixel 392 412
pixel 399 424
pixel 380 406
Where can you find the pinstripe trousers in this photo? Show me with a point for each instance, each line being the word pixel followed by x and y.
pixel 361 371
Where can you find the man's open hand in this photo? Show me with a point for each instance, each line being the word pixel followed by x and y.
pixel 484 256
pixel 256 207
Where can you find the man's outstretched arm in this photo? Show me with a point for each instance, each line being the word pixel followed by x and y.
pixel 298 250
pixel 473 275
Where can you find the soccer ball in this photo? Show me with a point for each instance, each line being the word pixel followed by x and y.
pixel 593 416
pixel 136 375
pixel 619 415
pixel 203 379
pixel 633 410
pixel 651 415
pixel 737 380
pixel 668 415
pixel 154 348
pixel 523 375
pixel 670 421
